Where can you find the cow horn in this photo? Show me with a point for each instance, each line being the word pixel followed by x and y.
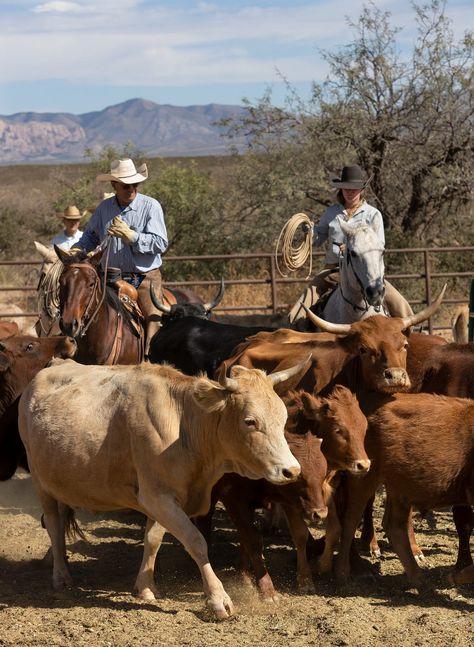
pixel 228 383
pixel 281 376
pixel 217 299
pixel 327 326
pixel 426 313
pixel 158 305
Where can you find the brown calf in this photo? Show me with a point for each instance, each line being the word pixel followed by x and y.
pixel 320 432
pixel 21 358
pixel 422 449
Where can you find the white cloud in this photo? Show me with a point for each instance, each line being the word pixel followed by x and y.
pixel 58 6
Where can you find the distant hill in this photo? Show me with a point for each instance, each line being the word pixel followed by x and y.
pixel 157 130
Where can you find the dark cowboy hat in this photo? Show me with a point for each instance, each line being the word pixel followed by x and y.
pixel 352 177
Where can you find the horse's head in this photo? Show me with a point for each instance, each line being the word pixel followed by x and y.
pixel 362 267
pixel 79 291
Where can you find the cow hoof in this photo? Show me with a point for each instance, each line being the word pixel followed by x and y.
pixel 61 581
pixel 271 598
pixel 148 594
pixel 420 558
pixel 306 588
pixel 376 552
pixel 221 608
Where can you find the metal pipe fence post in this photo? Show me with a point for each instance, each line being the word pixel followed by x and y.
pixel 470 333
pixel 273 284
pixel 428 286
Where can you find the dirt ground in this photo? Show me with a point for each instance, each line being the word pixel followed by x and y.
pixel 376 608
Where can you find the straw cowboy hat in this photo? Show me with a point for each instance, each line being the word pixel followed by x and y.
pixel 70 213
pixel 124 171
pixel 352 177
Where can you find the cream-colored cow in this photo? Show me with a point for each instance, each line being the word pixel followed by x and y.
pixel 149 438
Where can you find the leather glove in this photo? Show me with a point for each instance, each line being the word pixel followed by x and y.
pixel 74 251
pixel 120 229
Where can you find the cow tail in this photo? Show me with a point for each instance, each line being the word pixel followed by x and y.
pixel 73 529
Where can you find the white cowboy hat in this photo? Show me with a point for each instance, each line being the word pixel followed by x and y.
pixel 70 213
pixel 124 171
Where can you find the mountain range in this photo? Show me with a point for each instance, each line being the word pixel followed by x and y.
pixel 154 129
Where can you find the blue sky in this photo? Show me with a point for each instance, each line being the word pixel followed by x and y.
pixel 84 55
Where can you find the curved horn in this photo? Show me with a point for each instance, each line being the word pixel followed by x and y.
pixel 327 326
pixel 228 383
pixel 158 305
pixel 281 376
pixel 426 313
pixel 217 299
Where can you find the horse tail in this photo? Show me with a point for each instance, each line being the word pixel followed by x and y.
pixel 459 325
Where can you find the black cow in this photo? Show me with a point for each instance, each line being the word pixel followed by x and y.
pixel 188 304
pixel 194 345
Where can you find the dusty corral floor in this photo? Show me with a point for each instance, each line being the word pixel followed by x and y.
pixel 375 609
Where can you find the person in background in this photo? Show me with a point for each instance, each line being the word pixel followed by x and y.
pixel 71 234
pixel 351 206
pixel 138 236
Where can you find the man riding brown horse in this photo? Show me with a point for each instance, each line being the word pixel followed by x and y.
pixel 137 230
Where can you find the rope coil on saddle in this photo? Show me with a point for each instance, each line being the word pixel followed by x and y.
pixel 294 256
pixel 48 294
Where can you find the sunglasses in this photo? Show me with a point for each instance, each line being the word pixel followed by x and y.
pixel 120 185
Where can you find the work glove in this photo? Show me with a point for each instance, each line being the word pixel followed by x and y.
pixel 74 251
pixel 120 229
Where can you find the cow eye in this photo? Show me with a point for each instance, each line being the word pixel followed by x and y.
pixel 250 422
pixel 29 346
pixel 362 350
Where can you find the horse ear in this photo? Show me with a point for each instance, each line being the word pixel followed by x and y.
pixel 345 228
pixel 95 255
pixel 62 254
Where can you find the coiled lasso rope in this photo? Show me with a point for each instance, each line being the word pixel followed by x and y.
pixel 295 256
pixel 48 295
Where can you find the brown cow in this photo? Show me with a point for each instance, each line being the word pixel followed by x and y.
pixel 422 449
pixel 370 353
pixel 8 329
pixel 321 433
pixel 21 357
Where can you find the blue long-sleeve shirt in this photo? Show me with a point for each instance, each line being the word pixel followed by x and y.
pixel 145 216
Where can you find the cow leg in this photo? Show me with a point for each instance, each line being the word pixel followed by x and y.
pixel 251 545
pixel 55 518
pixel 466 576
pixel 398 514
pixel 415 549
pixel 358 492
pixel 167 513
pixel 145 586
pixel 368 539
pixel 332 538
pixel 299 533
pixel 463 517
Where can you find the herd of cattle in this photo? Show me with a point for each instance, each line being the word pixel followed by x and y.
pixel 313 421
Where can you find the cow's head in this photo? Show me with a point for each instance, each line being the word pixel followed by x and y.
pixel 251 422
pixel 23 356
pixel 339 422
pixel 186 308
pixel 307 493
pixel 381 344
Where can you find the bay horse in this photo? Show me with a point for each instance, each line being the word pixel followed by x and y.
pixel 92 313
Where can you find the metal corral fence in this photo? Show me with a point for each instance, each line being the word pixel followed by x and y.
pixel 421 257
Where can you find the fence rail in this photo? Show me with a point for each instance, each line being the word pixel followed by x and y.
pixel 274 280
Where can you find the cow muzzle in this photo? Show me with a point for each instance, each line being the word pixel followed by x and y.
pixel 283 475
pixel 396 378
pixel 359 467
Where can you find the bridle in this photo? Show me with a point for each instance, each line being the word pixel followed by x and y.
pixel 87 318
pixel 349 262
